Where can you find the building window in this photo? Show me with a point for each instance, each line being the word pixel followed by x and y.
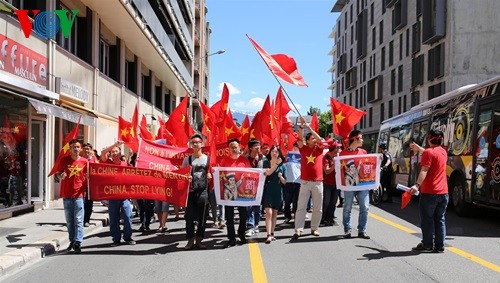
pixel 417 71
pixel 393 82
pixel 372 12
pixel 351 78
pixel 375 89
pixel 391 53
pixel 416 37
pixel 400 78
pixel 381 32
pixel 415 98
pixel 404 103
pixel 399 15
pixel 104 57
pixel 436 90
pixel 361 34
pixel 374 39
pixel 433 20
pixel 158 97
pixel 407 42
pixel 130 77
pixel 382 59
pixel 435 62
pixel 370 117
pixel 382 112
pixel 400 47
pixel 390 110
pixel 418 8
pixel 146 88
pixel 399 105
pixel 69 43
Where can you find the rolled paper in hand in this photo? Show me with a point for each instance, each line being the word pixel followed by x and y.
pixel 406 189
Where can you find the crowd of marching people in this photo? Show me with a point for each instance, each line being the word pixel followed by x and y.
pixel 305 174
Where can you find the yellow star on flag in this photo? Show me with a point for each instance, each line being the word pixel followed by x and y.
pixel 339 118
pixel 229 131
pixel 310 159
pixel 74 170
pixel 132 132
pixel 271 121
pixel 224 106
pixel 344 164
pixel 244 131
pixel 66 147
pixel 207 117
pixel 183 118
pixel 251 134
pixel 208 129
pixel 15 130
pixel 124 132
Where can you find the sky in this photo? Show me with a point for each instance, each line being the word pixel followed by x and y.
pixel 297 28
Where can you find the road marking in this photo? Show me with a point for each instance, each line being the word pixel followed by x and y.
pixel 393 224
pixel 258 270
pixel 457 251
pixel 474 258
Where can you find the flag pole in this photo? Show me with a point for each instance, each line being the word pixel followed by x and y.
pixel 276 78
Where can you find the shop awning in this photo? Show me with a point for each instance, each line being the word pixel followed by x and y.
pixel 72 116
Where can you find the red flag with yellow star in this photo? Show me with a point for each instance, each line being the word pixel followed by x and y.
pixel 255 128
pixel 73 134
pixel 268 126
pixel 344 117
pixel 209 120
pixel 178 123
pixel 231 130
pixel 127 131
pixel 245 130
pixel 221 106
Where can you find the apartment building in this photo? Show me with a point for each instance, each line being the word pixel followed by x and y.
pixel 93 60
pixel 390 55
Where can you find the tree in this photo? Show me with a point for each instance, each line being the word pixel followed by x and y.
pixel 325 123
pixel 312 110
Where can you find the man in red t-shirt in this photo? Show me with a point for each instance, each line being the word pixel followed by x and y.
pixel 71 172
pixel 311 175
pixel 433 185
pixel 352 178
pixel 330 192
pixel 112 155
pixel 235 159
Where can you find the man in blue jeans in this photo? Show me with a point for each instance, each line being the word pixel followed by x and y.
pixel 433 187
pixel 256 159
pixel 354 148
pixel 118 209
pixel 71 172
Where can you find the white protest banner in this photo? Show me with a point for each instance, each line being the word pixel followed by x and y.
pixel 357 172
pixel 237 186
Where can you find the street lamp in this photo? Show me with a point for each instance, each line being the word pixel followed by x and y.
pixel 194 92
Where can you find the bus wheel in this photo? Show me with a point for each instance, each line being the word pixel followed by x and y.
pixel 376 195
pixel 457 197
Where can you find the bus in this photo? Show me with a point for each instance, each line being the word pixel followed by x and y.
pixel 469 117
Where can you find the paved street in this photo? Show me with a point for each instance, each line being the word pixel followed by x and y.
pixel 472 255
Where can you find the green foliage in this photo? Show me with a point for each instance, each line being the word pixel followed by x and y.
pixel 325 123
pixel 312 110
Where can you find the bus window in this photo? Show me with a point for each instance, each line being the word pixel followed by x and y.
pixel 405 134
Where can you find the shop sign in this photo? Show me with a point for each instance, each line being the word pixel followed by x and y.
pixel 21 61
pixel 69 89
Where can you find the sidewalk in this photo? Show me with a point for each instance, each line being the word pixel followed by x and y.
pixel 27 238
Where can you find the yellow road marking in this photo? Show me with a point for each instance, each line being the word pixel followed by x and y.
pixel 475 259
pixel 393 224
pixel 457 251
pixel 258 270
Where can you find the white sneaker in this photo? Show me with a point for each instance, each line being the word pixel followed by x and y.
pixel 250 233
pixel 256 230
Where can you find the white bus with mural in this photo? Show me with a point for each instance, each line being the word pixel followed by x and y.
pixel 470 120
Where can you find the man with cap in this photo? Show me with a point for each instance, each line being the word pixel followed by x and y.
pixel 386 173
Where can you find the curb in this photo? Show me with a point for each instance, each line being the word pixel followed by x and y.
pixel 12 262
